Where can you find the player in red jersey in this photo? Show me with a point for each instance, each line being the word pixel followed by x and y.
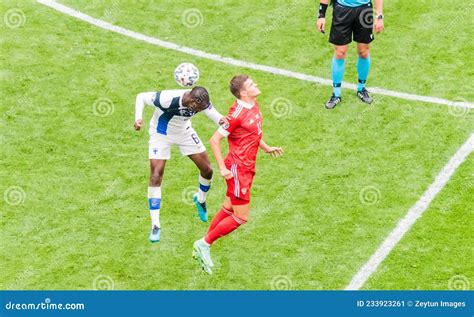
pixel 244 134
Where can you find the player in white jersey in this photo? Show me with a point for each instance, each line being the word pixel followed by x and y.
pixel 171 124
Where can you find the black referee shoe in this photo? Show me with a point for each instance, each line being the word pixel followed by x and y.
pixel 333 101
pixel 364 96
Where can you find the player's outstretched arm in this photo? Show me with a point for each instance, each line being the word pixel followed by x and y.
pixel 272 150
pixel 144 98
pixel 212 113
pixel 215 143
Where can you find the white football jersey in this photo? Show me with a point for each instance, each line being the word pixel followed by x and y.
pixel 170 116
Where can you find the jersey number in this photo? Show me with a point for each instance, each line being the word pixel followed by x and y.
pixel 195 138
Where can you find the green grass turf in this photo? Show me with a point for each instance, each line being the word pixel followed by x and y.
pixel 85 177
pixel 433 255
pixel 425 49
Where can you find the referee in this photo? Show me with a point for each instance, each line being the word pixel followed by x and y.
pixel 351 19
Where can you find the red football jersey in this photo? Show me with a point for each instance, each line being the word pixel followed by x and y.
pixel 244 133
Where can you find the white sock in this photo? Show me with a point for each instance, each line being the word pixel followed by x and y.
pixel 155 218
pixel 154 203
pixel 204 186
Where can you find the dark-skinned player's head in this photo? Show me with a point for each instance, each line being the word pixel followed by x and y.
pixel 199 99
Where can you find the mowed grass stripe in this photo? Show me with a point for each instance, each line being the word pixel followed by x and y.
pixel 85 176
pixel 240 63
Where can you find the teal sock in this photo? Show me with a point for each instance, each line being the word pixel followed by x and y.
pixel 363 67
pixel 337 75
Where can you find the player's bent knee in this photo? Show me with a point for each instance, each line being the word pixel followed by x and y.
pixel 244 218
pixel 242 213
pixel 364 54
pixel 155 182
pixel 207 172
pixel 340 54
pixel 155 179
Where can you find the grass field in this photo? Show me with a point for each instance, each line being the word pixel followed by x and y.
pixel 74 173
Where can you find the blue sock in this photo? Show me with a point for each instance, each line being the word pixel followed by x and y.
pixel 337 75
pixel 204 186
pixel 154 203
pixel 363 67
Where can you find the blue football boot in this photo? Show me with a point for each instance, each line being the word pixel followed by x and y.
pixel 201 208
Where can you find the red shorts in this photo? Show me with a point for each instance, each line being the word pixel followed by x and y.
pixel 238 187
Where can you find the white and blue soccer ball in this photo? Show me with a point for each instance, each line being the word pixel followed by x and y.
pixel 186 74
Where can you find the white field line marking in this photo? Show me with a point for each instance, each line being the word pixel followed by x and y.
pixel 235 62
pixel 413 214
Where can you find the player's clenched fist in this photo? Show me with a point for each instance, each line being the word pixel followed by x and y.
pixel 138 125
pixel 320 24
pixel 226 173
pixel 224 122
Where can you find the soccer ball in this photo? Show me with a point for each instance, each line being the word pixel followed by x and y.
pixel 186 75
